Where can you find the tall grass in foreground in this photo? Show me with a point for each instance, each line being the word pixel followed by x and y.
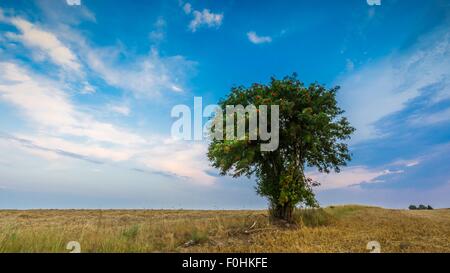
pixel 333 229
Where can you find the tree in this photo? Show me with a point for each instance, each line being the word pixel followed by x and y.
pixel 422 207
pixel 412 207
pixel 429 207
pixel 312 133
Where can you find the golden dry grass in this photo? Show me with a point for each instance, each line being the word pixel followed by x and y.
pixel 344 229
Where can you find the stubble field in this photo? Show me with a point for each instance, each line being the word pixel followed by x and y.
pixel 333 229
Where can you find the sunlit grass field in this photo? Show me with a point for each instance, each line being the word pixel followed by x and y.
pixel 333 229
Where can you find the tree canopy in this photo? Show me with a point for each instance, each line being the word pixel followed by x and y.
pixel 312 134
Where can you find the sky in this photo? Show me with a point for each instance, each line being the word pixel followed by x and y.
pixel 87 88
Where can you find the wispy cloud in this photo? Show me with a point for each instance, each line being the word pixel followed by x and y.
pixel 73 2
pixel 407 163
pixel 61 12
pixel 47 106
pixel 385 87
pixel 45 47
pixel 145 76
pixel 159 33
pixel 351 176
pixel 431 118
pixel 63 128
pixel 31 146
pixel 122 109
pixel 44 102
pixel 46 43
pixel 254 38
pixel 77 134
pixel 181 158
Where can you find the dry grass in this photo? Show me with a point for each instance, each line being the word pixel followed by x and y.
pixel 334 229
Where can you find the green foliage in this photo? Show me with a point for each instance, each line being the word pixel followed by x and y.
pixel 420 207
pixel 312 134
pixel 131 233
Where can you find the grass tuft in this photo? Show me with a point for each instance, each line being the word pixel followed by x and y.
pixel 198 237
pixel 131 233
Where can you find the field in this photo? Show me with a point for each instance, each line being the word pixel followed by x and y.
pixel 333 229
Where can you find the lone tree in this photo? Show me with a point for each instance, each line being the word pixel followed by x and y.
pixel 311 134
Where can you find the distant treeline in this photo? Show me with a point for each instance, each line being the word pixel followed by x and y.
pixel 420 207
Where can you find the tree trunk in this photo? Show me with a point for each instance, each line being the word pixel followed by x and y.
pixel 283 212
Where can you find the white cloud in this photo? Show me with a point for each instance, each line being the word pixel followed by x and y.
pixel 88 150
pixel 87 88
pixel 205 18
pixel 64 130
pixel 407 163
pixel 48 106
pixel 47 43
pixel 73 2
pixel 187 8
pixel 184 159
pixel 254 38
pixel 149 75
pixel 159 33
pixel 380 89
pixel 55 13
pixel 351 176
pixel 145 76
pixel 120 109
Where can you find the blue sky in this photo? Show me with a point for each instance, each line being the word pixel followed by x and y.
pixel 86 90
